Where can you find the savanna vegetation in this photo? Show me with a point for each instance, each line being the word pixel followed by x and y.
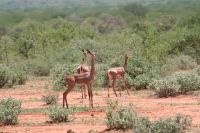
pixel 119 117
pixel 9 110
pixel 45 38
pixel 40 39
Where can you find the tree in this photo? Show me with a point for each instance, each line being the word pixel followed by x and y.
pixel 190 45
pixel 26 36
pixel 109 23
pixel 137 9
pixel 5 41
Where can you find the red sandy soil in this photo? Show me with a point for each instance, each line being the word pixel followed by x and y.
pixel 144 102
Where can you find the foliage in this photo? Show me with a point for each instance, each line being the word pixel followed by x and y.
pixel 18 77
pixel 183 120
pixel 110 23
pixel 165 87
pixel 185 62
pixel 187 82
pixel 5 45
pixel 165 23
pixel 171 125
pixel 192 21
pixel 142 81
pixel 101 78
pixel 179 83
pixel 189 46
pixel 9 111
pixel 3 75
pixel 39 68
pixel 26 35
pixel 58 74
pixel 156 35
pixel 120 118
pixel 142 125
pixel 128 80
pixel 135 68
pixel 50 99
pixel 136 9
pixel 113 104
pixel 10 77
pixel 58 114
pixel 167 125
pixel 177 63
pixel 197 70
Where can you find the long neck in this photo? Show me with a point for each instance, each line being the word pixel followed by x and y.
pixel 125 63
pixel 85 61
pixel 93 68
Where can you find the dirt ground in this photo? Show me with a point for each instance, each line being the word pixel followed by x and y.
pixel 144 102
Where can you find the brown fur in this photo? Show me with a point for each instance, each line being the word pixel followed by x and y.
pixel 117 73
pixel 83 68
pixel 84 79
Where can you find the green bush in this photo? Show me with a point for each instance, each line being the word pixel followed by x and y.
pixel 187 82
pixel 129 80
pixel 135 68
pixel 174 63
pixel 119 117
pixel 39 68
pixel 171 125
pixel 50 99
pixel 179 83
pixel 9 111
pixel 58 74
pixel 185 62
pixel 3 76
pixel 18 77
pixel 166 126
pixel 136 9
pixel 197 70
pixel 109 23
pixel 165 87
pixel 142 125
pixel 165 23
pixel 183 120
pixel 189 45
pixel 58 114
pixel 113 104
pixel 101 79
pixel 10 77
pixel 141 81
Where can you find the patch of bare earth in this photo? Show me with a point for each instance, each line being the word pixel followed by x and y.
pixel 144 104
